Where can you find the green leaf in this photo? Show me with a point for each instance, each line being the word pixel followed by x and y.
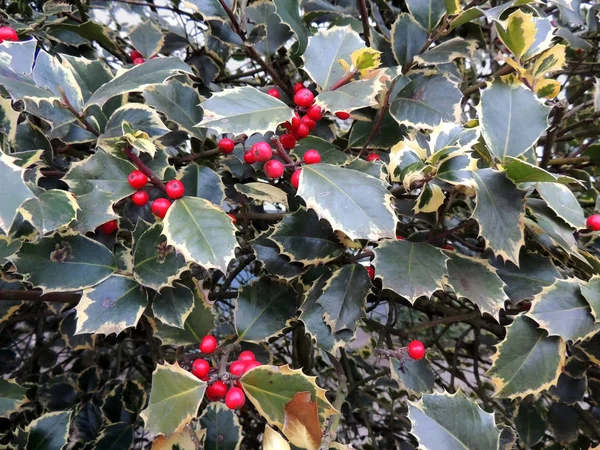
pixel 263 309
pixel 355 95
pixel 210 9
pixel 427 13
pixel 410 269
pixel 21 87
pixel 223 429
pixel 499 211
pixel 287 10
pixel 13 190
pixel 8 248
pixel 116 436
pixel 139 117
pixel 452 422
pixel 12 396
pixel 20 55
pixel 179 102
pixel 50 74
pixel 176 391
pixel 244 110
pixel 561 310
pixel 147 38
pixel 50 211
pixel 197 325
pixel 153 71
pixel 111 306
pixel 447 52
pixel 49 431
pixel 277 33
pixel 387 135
pixel 95 208
pixel 501 113
pixel 203 182
pixel 333 191
pixel 263 192
pixel 90 74
pixel 527 361
pixel 563 202
pixel 546 222
pixel 323 52
pixel 591 293
pixel 520 171
pixel 91 31
pixel 276 264
pixel 201 232
pixel 408 39
pixel 172 306
pixel 8 119
pixel 156 264
pixel 270 388
pixel 415 377
pixel 427 101
pixel 476 280
pixel 305 239
pixel 44 264
pixel 330 154
pixel 530 424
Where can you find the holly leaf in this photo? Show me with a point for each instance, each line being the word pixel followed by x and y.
pixel 561 310
pixel 272 440
pixel 181 440
pixel 500 210
pixel 201 181
pixel 210 9
pixel 263 309
pixel 223 429
pixel 271 388
pixel 263 192
pixel 348 190
pixel 44 264
pixel 302 425
pixel 408 38
pixel 12 396
pixel 244 110
pixel 517 32
pixel 591 293
pixel 427 13
pixel 305 239
pixel 277 33
pixel 201 232
pixel 8 248
pixel 323 52
pixel 520 171
pixel 50 74
pixel 504 131
pixel 410 269
pixel 8 119
pixel 415 377
pixel 147 38
pixel 13 190
pixel 174 390
pixel 50 210
pixel 447 52
pixel 530 424
pixel 435 425
pixel 115 436
pixel 110 307
pixel 330 154
pixel 528 361
pixel 477 280
pixel 172 306
pixel 95 208
pixel 356 95
pixel 386 136
pixel 267 252
pixel 155 263
pixel 288 12
pixel 138 117
pixel 563 202
pixel 549 61
pixel 49 431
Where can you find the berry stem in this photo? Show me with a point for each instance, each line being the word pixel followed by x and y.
pixel 344 80
pixel 80 117
pixel 380 115
pixel 281 151
pixel 364 15
pixel 128 151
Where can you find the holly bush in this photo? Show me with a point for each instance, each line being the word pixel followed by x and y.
pixel 289 224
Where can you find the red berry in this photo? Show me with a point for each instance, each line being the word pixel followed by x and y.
pixel 274 93
pixel 579 51
pixel 235 398
pixel 175 189
pixel 298 86
pixel 593 222
pixel 416 350
pixel 208 344
pixel 342 115
pixel 288 141
pixel 262 151
pixel 373 157
pixel 216 391
pixel 237 368
pixel 448 247
pixel 302 130
pixel 135 54
pixel 109 227
pixel 273 169
pixel 246 355
pixel 312 156
pixel 308 122
pixel 8 34
pixel 371 272
pixel 296 121
pixel 249 158
pixel 137 179
pixel 138 61
pixel 233 219
pixel 251 365
pixel 226 145
pixel 315 113
pixel 304 98
pixel 140 198
pixel 200 368
pixel 160 206
pixel 295 180
pixel 400 238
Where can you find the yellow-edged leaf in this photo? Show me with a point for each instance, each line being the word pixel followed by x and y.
pixel 518 32
pixel 365 60
pixel 547 88
pixel 549 61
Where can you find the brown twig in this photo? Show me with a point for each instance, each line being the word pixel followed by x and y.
pixel 80 117
pixel 344 80
pixel 380 115
pixel 364 15
pixel 559 110
pixel 128 151
pixel 504 70
pixel 281 151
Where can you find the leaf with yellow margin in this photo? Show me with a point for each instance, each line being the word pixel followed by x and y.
pixel 547 88
pixel 517 32
pixel 549 61
pixel 302 426
pixel 272 440
pixel 181 440
pixel 365 60
pixel 430 199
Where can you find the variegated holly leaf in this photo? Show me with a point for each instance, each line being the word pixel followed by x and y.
pixel 430 199
pixel 517 32
pixel 272 440
pixel 415 377
pixel 591 293
pixel 174 390
pixel 223 429
pixel 563 202
pixel 271 388
pixel 153 71
pixel 8 248
pixel 49 431
pixel 44 263
pixel 50 210
pixel 410 269
pixel 13 190
pixel 201 232
pixel 427 13
pixel 8 119
pixel 147 38
pixel 267 252
pixel 520 171
pixel 330 154
pixel 210 9
pixel 447 52
pixel 263 309
pixel 435 425
pixel 302 426
pixel 110 307
pixel 182 440
pixel 408 38
pixel 173 305
pixel 476 280
pixel 95 208
pixel 262 13
pixel 549 61
pixel 561 310
pixel 305 239
pixel 12 396
pixel 505 132
pixel 116 435
pixel 263 192
pixel 333 191
pixel 528 361
pixel 155 263
pixel 325 49
pixel 387 135
pixel 288 12
pixel 356 95
pixel 530 423
pixel 202 181
pixel 499 211
pixel 179 103
pixel 51 74
pixel 140 118
pixel 244 110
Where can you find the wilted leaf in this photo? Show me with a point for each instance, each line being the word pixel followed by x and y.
pixel 12 396
pixel 172 306
pixel 302 425
pixel 408 38
pixel 13 190
pixel 272 440
pixel 223 430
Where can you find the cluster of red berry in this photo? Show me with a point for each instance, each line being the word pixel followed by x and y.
pixel 218 389
pixel 8 34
